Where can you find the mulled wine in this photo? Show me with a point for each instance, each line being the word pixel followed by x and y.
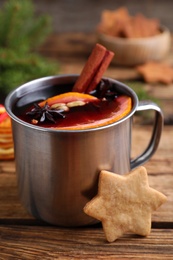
pixel 59 108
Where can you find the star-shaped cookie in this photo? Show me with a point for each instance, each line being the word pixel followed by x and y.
pixel 154 72
pixel 124 203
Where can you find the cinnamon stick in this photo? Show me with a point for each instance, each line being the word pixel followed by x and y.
pixel 94 69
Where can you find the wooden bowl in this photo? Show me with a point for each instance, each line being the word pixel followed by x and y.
pixel 135 51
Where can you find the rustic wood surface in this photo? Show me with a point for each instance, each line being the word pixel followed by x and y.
pixel 23 237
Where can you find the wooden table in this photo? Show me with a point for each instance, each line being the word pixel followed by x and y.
pixel 23 237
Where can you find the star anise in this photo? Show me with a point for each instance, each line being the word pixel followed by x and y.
pixel 45 113
pixel 106 90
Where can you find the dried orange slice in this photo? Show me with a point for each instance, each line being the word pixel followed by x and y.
pixel 3 113
pixel 92 113
pixel 6 124
pixel 124 107
pixel 7 153
pixel 6 140
pixel 68 97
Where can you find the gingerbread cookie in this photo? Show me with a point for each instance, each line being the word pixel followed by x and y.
pixel 119 23
pixel 154 72
pixel 124 203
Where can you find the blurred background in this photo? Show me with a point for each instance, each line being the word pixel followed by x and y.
pixel 84 15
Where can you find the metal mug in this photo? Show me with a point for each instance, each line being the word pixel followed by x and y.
pixel 58 170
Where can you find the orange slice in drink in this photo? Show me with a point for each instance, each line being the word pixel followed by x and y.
pixel 92 113
pixel 68 97
pixel 108 116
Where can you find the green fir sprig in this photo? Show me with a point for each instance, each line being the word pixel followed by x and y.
pixel 21 33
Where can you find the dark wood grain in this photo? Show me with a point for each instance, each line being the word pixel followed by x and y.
pixel 35 242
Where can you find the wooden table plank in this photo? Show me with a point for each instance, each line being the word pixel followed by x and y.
pixel 162 161
pixel 34 242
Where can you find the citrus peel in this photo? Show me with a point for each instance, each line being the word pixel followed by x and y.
pixel 125 105
pixel 6 140
pixel 68 97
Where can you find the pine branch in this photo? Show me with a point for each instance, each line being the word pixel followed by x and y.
pixel 19 28
pixel 16 70
pixel 21 31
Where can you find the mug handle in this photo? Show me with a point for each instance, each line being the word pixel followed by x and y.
pixel 156 133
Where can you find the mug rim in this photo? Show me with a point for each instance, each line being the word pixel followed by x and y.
pixel 20 91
